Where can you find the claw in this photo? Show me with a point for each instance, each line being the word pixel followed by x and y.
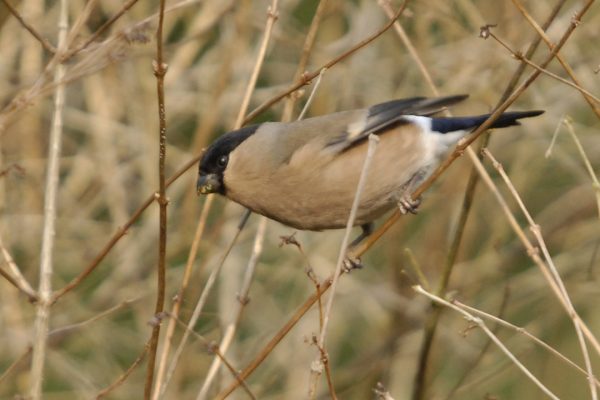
pixel 406 204
pixel 350 264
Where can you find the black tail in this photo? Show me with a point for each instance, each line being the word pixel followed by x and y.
pixel 452 124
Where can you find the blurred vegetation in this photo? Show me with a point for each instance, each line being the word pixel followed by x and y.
pixel 109 167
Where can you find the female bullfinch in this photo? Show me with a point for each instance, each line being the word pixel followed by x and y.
pixel 304 174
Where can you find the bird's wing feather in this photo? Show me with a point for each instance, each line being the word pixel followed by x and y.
pixel 338 132
pixel 382 117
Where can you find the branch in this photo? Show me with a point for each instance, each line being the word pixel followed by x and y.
pixel 103 29
pixel 16 279
pixel 243 300
pixel 200 304
pixel 519 56
pixel 433 318
pixel 123 377
pixel 122 231
pixel 178 299
pixel 459 150
pixel 479 322
pixel 309 42
pixel 50 199
pixel 307 78
pixel 563 294
pixel 559 57
pixel 43 41
pixel 361 249
pixel 160 69
pixel 271 19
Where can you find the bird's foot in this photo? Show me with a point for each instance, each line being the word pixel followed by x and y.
pixel 406 204
pixel 349 264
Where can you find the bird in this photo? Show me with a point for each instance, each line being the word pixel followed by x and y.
pixel 304 174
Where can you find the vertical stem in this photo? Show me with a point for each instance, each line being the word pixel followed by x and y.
pixel 243 299
pixel 174 314
pixel 160 69
pixel 309 42
pixel 271 19
pixel 316 372
pixel 46 267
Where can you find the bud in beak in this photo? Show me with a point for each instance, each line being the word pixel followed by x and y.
pixel 208 183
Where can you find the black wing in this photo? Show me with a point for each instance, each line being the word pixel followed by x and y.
pixel 386 115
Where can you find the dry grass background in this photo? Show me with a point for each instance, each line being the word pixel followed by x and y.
pixel 108 167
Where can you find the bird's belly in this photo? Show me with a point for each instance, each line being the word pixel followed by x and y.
pixel 323 207
pixel 331 214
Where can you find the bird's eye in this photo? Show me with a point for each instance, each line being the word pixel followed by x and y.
pixel 222 161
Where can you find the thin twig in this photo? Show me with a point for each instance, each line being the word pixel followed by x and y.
pixel 43 41
pixel 479 322
pixel 200 304
pixel 275 340
pixel 460 148
pixel 31 296
pixel 309 42
pixel 418 271
pixel 587 94
pixel 16 278
pixel 271 18
pixel 361 249
pixel 433 317
pixel 317 367
pixel 530 51
pixel 542 35
pixel 178 300
pixel 564 295
pixel 124 8
pixel 373 141
pixel 533 253
pixel 240 306
pixel 213 348
pixel 524 332
pixel 41 86
pixel 483 351
pixel 385 4
pixel 519 56
pixel 548 152
pixel 122 231
pixel 430 326
pixel 123 377
pixel 57 334
pixel 78 325
pixel 312 94
pixel 307 78
pixel 160 69
pixel 50 210
pixel 586 161
pixel 15 364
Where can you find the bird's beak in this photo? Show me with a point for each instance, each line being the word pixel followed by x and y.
pixel 207 183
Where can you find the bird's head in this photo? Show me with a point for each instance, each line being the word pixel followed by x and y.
pixel 211 171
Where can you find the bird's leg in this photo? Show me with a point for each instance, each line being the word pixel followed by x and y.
pixel 367 229
pixel 405 202
pixel 355 263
